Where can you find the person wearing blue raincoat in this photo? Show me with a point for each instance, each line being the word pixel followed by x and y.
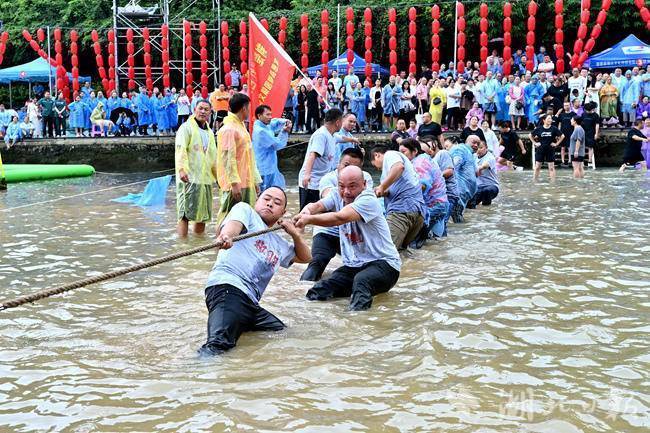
pixel 101 98
pixel 390 102
pixel 630 94
pixel 160 110
pixel 502 105
pixel 465 172
pixel 112 103
pixel 533 94
pixel 77 118
pixel 358 104
pixel 172 109
pixel 269 136
pixel 125 102
pixel 91 103
pixel 143 109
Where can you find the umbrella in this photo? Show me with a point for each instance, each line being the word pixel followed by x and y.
pixel 115 114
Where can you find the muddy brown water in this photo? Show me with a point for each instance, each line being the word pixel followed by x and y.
pixel 532 317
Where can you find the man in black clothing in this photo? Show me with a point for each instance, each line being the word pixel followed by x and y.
pixel 313 109
pixel 545 139
pixel 632 154
pixel 591 125
pixel 429 128
pixel 559 93
pixel 509 139
pixel 563 119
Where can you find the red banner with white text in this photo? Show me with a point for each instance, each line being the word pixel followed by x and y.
pixel 270 70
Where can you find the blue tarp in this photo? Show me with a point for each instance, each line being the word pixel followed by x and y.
pixel 153 195
pixel 340 64
pixel 36 71
pixel 627 53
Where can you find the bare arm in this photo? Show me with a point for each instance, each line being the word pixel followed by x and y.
pixel 395 172
pixel 303 253
pixel 309 164
pixel 228 231
pixel 521 147
pixel 448 173
pixel 329 219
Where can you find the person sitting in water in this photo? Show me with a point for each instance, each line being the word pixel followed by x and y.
pixel 371 263
pixel 400 186
pixel 325 243
pixel 465 171
pixel 487 182
pixel 243 270
pixel 510 140
pixel 632 153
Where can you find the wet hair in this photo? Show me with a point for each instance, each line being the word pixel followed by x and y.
pixel 380 148
pixel 432 141
pixel 333 115
pixel 284 193
pixel 261 109
pixel 238 102
pixel 353 152
pixel 412 145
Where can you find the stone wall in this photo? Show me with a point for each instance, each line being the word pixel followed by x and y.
pixel 123 154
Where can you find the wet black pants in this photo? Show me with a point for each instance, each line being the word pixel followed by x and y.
pixel 232 313
pixel 323 249
pixel 361 284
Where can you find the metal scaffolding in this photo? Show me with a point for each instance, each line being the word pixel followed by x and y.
pixel 138 14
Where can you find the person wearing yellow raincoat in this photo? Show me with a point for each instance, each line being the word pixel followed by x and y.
pixel 237 172
pixel 437 102
pixel 196 170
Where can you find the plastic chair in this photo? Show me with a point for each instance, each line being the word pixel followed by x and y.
pixel 96 130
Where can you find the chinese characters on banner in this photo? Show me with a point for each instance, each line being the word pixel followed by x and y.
pixel 271 70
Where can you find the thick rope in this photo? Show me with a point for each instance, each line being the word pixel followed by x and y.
pixel 46 293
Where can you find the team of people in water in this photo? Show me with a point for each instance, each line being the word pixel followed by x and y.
pixel 423 184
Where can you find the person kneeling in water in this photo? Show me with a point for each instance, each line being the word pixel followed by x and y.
pixel 243 270
pixel 371 263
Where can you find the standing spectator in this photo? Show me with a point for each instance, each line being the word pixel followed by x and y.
pixel 489 91
pixel 422 94
pixel 160 111
pixel 438 101
pixel 577 85
pixel 172 108
pixel 112 103
pixel 390 102
pixel 145 113
pixel 77 113
pixel 312 117
pixel 235 77
pixel 563 120
pixel 350 81
pixel 358 107
pixel 546 65
pixel 219 102
pixel 5 119
pixel 430 128
pixel 47 112
pixel 301 105
pixel 591 126
pixel 516 110
pixel 608 102
pixel 407 108
pixel 577 148
pixel 502 106
pixel 335 80
pixel 269 136
pixel 34 117
pixel 183 103
pixel 533 98
pixel 453 94
pixel 376 111
pixel 60 115
pixel 332 96
pixel 629 98
pixel 558 91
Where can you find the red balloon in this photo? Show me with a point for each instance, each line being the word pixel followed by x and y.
pixel 43 54
pixel 507 24
pixel 393 69
pixel 412 28
pixel 226 66
pixel 243 41
pixel 57 34
pixel 483 10
pixel 368 70
pixel 559 36
pixel 131 62
pixel 435 12
pixel 392 57
pixel 282 36
pixel 94 35
pixel 530 38
pixel 483 24
pixel 483 53
pixel 507 9
pixel 304 20
pixel 224 27
pixel 483 39
pixel 584 16
pixel 602 16
pixel 349 14
pixel 225 53
pixel 506 68
pixel 532 8
pixel 461 67
pixel 102 73
pixel 582 31
pixel 559 21
pixel 413 13
pixel 304 47
pixel 59 58
pixel 590 45
pixel 586 4
pixel 582 58
pixel 392 14
pixel 324 44
pixel 595 32
pixel 284 21
pixel 559 6
pixel 242 27
pixel 461 24
pixel 530 65
pixel 531 24
pixel 188 54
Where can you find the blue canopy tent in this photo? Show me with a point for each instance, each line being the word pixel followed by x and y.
pixel 36 71
pixel 630 52
pixel 340 64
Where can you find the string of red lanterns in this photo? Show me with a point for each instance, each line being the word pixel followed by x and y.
pixel 435 38
pixel 367 30
pixel 559 35
pixel 507 38
pixel 325 42
pixel 189 75
pixel 530 36
pixel 62 77
pixel 460 24
pixel 349 41
pixel 164 44
pixel 643 10
pixel 282 34
pixel 111 60
pixel 483 39
pixel 412 41
pixel 304 45
pixel 225 53
pixel 595 31
pixel 130 51
pixel 146 47
pixel 203 54
pixel 578 45
pixel 392 41
pixel 243 51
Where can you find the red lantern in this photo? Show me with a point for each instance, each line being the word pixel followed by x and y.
pixel 349 26
pixel 130 49
pixel 530 36
pixel 40 35
pixel 164 42
pixel 412 30
pixel 147 58
pixel 225 51
pixel 203 43
pixel 435 38
pixel 483 38
pixel 325 43
pixel 582 31
pixel 282 35
pixel 392 41
pixel 265 24
pixel 367 17
pixel 559 34
pixel 304 46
